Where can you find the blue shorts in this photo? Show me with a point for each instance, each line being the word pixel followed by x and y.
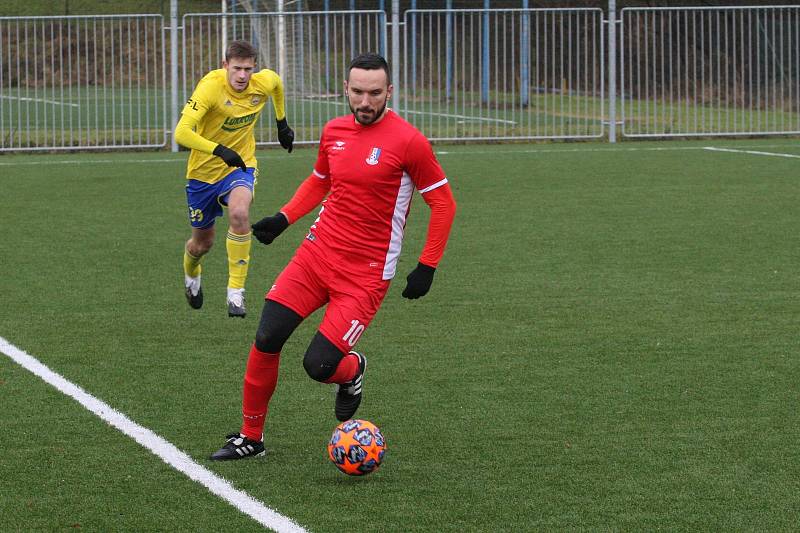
pixel 206 200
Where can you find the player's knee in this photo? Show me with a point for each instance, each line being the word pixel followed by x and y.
pixel 271 337
pixel 266 341
pixel 199 247
pixel 322 358
pixel 239 220
pixel 276 325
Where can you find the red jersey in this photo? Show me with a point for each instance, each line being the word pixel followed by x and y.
pixel 373 171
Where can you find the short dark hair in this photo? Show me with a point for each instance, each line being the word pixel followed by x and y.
pixel 370 62
pixel 240 50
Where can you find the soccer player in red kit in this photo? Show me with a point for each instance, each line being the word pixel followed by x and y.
pixel 368 166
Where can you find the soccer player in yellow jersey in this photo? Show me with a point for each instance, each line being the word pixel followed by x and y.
pixel 217 124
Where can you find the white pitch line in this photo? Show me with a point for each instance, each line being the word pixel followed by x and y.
pixel 438 152
pixel 752 152
pixel 588 150
pixel 100 161
pixel 166 451
pixel 466 118
pixel 428 113
pixel 87 162
pixel 43 100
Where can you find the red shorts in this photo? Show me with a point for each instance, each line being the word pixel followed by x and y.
pixel 313 278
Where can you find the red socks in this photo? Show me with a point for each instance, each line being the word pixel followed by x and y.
pixel 260 380
pixel 346 371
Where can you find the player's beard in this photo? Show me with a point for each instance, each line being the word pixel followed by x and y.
pixel 373 118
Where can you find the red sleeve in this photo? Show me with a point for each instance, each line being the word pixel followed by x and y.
pixel 313 190
pixel 443 211
pixel 308 196
pixel 421 164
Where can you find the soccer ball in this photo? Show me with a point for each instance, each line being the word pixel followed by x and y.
pixel 356 447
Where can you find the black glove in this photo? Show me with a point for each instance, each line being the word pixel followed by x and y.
pixel 267 229
pixel 231 158
pixel 285 135
pixel 419 282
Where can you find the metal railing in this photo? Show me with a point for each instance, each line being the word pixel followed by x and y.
pixel 477 74
pixel 82 82
pixel 100 82
pixel 710 71
pixel 312 67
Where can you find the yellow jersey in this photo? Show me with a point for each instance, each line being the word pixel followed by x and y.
pixel 216 114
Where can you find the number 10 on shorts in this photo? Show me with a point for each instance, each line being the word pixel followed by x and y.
pixel 354 333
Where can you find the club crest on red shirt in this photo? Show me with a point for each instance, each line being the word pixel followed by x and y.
pixel 374 155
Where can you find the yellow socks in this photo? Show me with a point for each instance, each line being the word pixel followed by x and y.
pixel 238 258
pixel 191 264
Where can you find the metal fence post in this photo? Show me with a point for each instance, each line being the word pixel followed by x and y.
pixel 396 49
pixel 612 71
pixel 224 11
pixel 173 69
pixel 381 38
pixel 449 54
pixel 485 53
pixel 281 42
pixel 524 61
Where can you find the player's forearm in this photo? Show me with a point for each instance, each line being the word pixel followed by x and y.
pixel 443 211
pixel 186 136
pixel 308 196
pixel 278 101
